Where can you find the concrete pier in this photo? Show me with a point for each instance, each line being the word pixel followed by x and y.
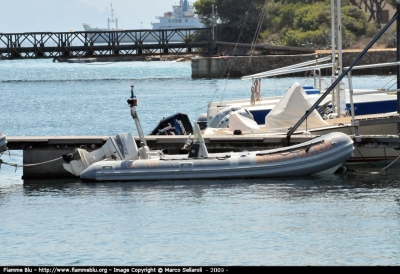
pixel 238 66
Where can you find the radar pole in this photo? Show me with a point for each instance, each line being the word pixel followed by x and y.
pixel 112 19
pixel 132 104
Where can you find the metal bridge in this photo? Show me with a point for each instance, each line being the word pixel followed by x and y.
pixel 104 43
pixel 127 43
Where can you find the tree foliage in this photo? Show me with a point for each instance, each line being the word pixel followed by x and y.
pixel 373 8
pixel 285 22
pixel 237 19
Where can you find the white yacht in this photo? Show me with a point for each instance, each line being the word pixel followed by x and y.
pixel 87 27
pixel 99 37
pixel 182 17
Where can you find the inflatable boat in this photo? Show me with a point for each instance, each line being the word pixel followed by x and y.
pixel 120 159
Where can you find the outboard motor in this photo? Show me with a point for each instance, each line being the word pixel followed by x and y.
pixel 202 121
pixel 169 130
pixel 119 147
pixel 176 124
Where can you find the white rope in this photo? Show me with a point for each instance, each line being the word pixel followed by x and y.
pixel 36 164
pixel 390 163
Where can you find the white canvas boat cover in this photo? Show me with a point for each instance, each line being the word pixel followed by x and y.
pixel 239 122
pixel 288 111
pixel 236 121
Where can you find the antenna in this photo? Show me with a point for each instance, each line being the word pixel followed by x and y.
pixel 112 19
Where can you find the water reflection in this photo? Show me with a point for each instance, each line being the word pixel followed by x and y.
pixel 353 183
pixel 325 219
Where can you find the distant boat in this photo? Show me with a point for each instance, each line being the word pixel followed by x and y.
pixel 87 27
pixel 182 17
pixel 105 37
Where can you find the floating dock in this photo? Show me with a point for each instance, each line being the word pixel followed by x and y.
pixel 42 156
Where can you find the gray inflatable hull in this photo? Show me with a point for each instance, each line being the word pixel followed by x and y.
pixel 322 154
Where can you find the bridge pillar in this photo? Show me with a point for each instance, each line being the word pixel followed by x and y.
pixel 65 53
pixel 16 54
pixel 89 52
pixel 38 52
pixel 139 49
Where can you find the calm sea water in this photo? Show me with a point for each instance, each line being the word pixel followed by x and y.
pixel 342 219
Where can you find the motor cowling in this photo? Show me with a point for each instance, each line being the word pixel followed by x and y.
pixel 118 147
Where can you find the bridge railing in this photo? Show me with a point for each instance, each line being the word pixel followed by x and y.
pixel 97 42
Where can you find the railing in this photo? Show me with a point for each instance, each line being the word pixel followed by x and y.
pixel 351 91
pixel 95 43
pixel 305 66
pixel 341 76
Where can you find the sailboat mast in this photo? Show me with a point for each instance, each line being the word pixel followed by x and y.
pixel 339 88
pixel 333 45
pixel 333 38
pixel 339 42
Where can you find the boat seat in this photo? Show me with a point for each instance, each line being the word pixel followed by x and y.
pixel 143 152
pixel 146 153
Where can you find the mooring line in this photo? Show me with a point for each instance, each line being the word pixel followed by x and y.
pixel 390 163
pixel 26 165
